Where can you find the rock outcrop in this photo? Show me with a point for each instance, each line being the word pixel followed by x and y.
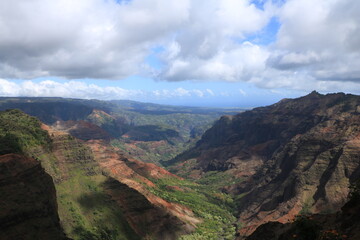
pixel 28 200
pixel 298 155
pixel 82 130
pixel 344 225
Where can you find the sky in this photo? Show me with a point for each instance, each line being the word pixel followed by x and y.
pixel 220 53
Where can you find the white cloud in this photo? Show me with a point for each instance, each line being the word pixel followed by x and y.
pixel 209 91
pixel 237 63
pixel 103 39
pixel 82 38
pixel 71 89
pixel 181 93
pixel 8 89
pixel 320 40
pixel 317 42
pixel 203 40
pixel 78 89
pixel 212 46
pixel 242 92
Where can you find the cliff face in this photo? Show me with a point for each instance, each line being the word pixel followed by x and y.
pixel 28 200
pixel 312 171
pixel 255 135
pixel 343 225
pixel 295 156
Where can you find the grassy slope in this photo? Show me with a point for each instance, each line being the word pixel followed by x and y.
pixel 20 132
pixel 85 210
pixel 211 206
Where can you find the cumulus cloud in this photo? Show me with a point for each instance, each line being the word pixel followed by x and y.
pixel 316 42
pixel 70 89
pixel 201 40
pixel 237 63
pixel 213 46
pixel 83 38
pixel 319 40
pixel 78 89
pixel 105 39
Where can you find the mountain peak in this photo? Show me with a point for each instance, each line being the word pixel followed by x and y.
pixel 314 93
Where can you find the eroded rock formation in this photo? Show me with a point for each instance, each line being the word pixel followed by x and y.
pixel 298 155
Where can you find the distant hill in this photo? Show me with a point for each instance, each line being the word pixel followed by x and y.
pixel 132 126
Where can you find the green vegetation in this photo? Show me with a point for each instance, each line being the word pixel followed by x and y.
pixel 128 121
pixel 151 151
pixel 183 123
pixel 86 211
pixel 306 208
pixel 211 206
pixel 215 180
pixel 19 132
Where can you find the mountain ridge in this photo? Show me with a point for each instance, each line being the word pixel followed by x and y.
pixel 272 163
pixel 293 156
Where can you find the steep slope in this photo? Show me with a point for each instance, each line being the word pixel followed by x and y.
pixel 28 200
pixel 147 213
pixel 343 225
pixel 85 209
pixel 102 193
pixel 298 155
pixel 151 199
pixel 97 188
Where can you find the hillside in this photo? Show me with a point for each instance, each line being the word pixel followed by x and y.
pixel 278 163
pixel 150 132
pixel 342 225
pixel 104 194
pixel 296 156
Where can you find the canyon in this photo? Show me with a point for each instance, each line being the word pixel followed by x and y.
pixel 181 177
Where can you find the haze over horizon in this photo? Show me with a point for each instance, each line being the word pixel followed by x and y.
pixel 229 53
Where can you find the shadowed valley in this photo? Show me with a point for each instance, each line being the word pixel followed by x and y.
pixel 225 180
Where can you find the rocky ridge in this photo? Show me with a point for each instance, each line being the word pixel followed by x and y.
pixel 342 225
pixel 299 155
pixel 133 177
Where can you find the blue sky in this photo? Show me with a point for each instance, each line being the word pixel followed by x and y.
pixel 228 53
